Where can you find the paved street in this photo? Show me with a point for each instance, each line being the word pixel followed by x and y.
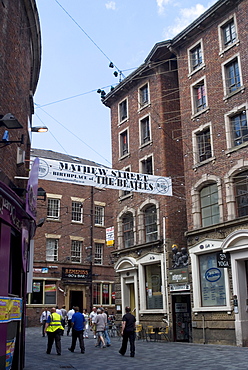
pixel 149 355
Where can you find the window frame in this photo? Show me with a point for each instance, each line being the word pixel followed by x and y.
pixel 210 207
pixel 144 103
pixel 147 225
pixel 55 249
pixel 237 206
pixel 128 235
pixel 229 131
pixel 190 51
pixel 78 253
pixel 144 161
pixel 98 258
pixel 222 47
pixel 44 283
pixel 53 213
pixel 124 118
pixel 145 126
pixel 226 85
pixel 78 221
pixel 100 216
pixel 196 111
pixel 195 134
pixel 123 152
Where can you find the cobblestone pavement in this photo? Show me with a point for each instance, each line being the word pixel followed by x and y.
pixel 149 355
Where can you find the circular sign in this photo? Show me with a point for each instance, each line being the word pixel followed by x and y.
pixel 43 168
pixel 213 274
pixel 162 185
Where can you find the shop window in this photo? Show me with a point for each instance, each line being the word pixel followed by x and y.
pixel 128 234
pixel 209 205
pixel 76 250
pixel 154 298
pixel 241 193
pixel 53 208
pixel 77 212
pixel 151 232
pixel 213 292
pixel 43 292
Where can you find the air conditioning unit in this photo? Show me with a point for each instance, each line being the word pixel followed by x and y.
pixel 20 156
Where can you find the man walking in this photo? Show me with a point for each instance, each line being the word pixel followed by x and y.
pixel 70 313
pixel 77 323
pixel 54 331
pixel 128 332
pixel 43 319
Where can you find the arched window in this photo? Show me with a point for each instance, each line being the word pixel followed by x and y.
pixel 241 193
pixel 210 213
pixel 151 229
pixel 128 234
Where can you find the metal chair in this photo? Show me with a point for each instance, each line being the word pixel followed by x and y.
pixel 164 333
pixel 150 333
pixel 139 331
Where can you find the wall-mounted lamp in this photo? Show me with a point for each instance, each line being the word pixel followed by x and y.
pixel 41 194
pixel 9 121
pixel 138 252
pixel 39 129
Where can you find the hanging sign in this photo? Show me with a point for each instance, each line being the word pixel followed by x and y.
pixel 103 177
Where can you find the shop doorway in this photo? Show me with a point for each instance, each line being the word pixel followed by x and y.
pixel 181 317
pixel 76 299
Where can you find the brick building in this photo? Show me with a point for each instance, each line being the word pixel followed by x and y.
pixel 212 71
pixel 145 117
pixel 72 263
pixel 19 71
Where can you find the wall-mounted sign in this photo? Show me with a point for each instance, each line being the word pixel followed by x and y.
pixel 178 275
pixel 223 260
pixel 76 274
pixel 10 309
pixel 103 177
pixel 177 287
pixel 110 236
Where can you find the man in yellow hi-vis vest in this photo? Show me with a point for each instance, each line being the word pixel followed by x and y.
pixel 54 331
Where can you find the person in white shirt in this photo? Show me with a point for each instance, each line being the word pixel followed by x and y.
pixel 93 315
pixel 70 313
pixel 86 324
pixel 43 320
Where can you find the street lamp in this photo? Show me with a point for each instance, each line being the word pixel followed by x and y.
pixel 39 129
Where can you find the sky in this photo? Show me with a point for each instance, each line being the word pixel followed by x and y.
pixel 79 40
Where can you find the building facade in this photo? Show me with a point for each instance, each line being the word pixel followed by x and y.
pixel 212 70
pixel 145 120
pixel 73 265
pixel 19 71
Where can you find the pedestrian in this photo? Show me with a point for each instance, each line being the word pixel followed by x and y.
pixel 86 324
pixel 63 313
pixel 93 315
pixel 128 332
pixel 54 331
pixel 77 323
pixel 43 320
pixel 58 311
pixel 70 313
pixel 106 333
pixel 100 327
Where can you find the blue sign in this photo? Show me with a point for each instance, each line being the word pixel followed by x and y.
pixel 213 274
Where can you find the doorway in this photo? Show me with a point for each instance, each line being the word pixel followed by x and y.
pixel 181 317
pixel 76 299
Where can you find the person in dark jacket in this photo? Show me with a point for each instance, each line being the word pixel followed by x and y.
pixel 77 323
pixel 128 332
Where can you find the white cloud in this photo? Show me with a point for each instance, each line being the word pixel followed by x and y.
pixel 186 16
pixel 110 5
pixel 161 4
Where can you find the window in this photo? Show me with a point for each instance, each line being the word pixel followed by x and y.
pixel 209 205
pixel 52 249
pixel 105 293
pixel 98 254
pixel 199 97
pixel 53 208
pixel 43 292
pixel 232 76
pixel 239 128
pixel 76 250
pixel 125 193
pixel 102 293
pixel 241 193
pixel 123 110
pixel 204 144
pixel 151 232
pixel 143 96
pixel 154 298
pixel 196 57
pixel 77 212
pixel 96 293
pixel 128 234
pixel 229 33
pixel 146 166
pixel 123 143
pixel 99 215
pixel 212 281
pixel 145 136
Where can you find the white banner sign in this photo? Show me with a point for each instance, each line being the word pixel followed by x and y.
pixel 102 177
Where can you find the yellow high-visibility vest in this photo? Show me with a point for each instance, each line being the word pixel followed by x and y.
pixel 55 323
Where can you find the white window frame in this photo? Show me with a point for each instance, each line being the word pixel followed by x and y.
pixel 193 87
pixel 101 215
pixel 189 51
pixel 224 77
pixel 222 47
pixel 46 281
pixel 57 198
pixel 141 104
pixel 119 111
pixel 77 253
pixel 141 123
pixel 195 133
pixel 141 161
pixel 98 258
pixel 229 138
pixel 206 247
pixel 55 247
pixel 121 155
pixel 80 205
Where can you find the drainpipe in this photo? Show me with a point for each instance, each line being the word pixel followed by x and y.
pixel 165 272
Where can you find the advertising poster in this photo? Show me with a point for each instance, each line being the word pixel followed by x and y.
pixel 10 347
